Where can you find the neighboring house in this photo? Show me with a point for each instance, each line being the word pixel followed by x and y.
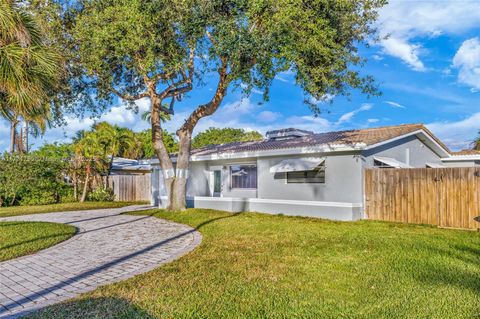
pixel 126 166
pixel 465 158
pixel 297 172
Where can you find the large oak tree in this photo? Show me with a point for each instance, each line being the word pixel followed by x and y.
pixel 164 50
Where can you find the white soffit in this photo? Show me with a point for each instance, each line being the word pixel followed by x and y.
pixel 297 164
pixel 391 162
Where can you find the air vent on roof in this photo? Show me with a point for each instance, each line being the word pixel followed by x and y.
pixel 287 133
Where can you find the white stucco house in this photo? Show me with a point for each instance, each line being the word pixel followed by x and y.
pixel 297 172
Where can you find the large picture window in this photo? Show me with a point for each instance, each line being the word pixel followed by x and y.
pixel 243 176
pixel 316 176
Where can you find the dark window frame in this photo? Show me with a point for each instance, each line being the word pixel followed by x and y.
pixel 307 177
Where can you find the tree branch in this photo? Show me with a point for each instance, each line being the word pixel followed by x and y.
pixel 128 97
pixel 210 107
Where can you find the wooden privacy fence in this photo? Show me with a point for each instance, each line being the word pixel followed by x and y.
pixel 130 188
pixel 447 197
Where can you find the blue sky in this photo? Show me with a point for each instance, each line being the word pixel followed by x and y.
pixel 428 70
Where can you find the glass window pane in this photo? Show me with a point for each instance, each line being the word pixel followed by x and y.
pixel 217 182
pixel 315 176
pixel 243 176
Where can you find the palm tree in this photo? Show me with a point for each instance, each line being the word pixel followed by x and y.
pixel 115 140
pixel 29 67
pixel 91 151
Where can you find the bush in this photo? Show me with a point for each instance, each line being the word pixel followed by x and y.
pixel 101 194
pixel 31 180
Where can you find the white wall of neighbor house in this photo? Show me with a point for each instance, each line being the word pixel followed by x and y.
pixel 409 150
pixel 461 163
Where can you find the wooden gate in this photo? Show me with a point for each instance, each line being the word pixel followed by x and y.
pixel 447 197
pixel 130 188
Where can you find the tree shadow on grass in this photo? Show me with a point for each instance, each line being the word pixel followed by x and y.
pixel 35 239
pixel 462 269
pixel 103 307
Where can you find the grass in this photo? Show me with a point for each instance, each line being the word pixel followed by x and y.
pixel 40 209
pixel 256 266
pixel 23 238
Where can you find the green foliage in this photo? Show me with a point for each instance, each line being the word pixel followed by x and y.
pixel 55 150
pixel 122 43
pixel 145 139
pixel 29 180
pixel 101 194
pixel 30 66
pixel 224 135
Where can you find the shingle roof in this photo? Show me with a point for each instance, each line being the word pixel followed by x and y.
pixel 369 136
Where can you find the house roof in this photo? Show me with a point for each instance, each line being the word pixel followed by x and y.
pixel 127 164
pixel 466 153
pixel 354 138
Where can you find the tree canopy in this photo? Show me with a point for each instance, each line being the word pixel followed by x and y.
pixel 224 135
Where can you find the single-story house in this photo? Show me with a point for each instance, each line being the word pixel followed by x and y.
pixel 298 172
pixel 127 166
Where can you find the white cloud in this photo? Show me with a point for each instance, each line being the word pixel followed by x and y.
pixel 406 20
pixel 268 116
pixel 407 52
pixel 347 117
pixel 371 121
pixel 323 99
pixel 467 60
pixel 457 135
pixel 395 104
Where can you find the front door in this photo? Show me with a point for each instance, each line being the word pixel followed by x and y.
pixel 217 182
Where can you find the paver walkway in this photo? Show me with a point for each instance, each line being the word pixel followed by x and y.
pixel 109 247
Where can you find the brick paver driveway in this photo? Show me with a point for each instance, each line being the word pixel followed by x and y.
pixel 109 247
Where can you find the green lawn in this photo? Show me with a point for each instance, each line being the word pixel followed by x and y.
pixel 23 238
pixel 26 210
pixel 258 266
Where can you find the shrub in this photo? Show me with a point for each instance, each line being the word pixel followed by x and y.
pixel 31 180
pixel 101 194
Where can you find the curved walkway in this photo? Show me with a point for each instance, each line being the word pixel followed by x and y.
pixel 109 247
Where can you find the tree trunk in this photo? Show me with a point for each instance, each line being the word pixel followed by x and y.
pixel 161 151
pixel 85 185
pixel 179 189
pixel 75 186
pixel 13 133
pixel 26 136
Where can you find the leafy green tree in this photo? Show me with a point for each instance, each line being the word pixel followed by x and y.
pixel 62 151
pixel 224 135
pixel 145 138
pixel 30 67
pixel 161 49
pixel 30 180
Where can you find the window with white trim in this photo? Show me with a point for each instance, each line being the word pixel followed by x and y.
pixel 316 176
pixel 243 176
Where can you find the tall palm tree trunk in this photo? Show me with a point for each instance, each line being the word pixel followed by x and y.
pixel 13 135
